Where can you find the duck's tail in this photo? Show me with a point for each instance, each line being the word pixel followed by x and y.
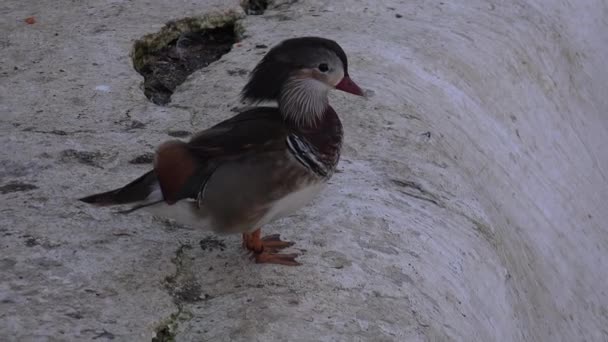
pixel 143 191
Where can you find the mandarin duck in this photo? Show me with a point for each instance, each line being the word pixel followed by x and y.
pixel 260 165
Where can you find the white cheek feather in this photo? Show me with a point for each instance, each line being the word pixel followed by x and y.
pixel 303 100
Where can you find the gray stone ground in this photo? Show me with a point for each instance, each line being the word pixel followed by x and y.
pixel 471 203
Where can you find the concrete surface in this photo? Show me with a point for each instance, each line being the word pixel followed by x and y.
pixel 470 206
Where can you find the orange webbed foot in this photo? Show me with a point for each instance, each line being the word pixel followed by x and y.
pixel 264 249
pixel 273 243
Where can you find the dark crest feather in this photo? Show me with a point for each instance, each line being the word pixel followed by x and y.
pixel 274 69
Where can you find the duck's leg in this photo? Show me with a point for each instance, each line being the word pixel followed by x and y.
pixel 264 249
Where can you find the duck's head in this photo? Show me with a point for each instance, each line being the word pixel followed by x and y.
pixel 298 73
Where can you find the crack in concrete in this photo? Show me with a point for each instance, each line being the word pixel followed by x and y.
pixel 183 288
pixel 422 194
pixel 165 332
pixel 56 131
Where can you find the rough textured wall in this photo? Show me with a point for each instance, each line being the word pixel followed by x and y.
pixel 470 204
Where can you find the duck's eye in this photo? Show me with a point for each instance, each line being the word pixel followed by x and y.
pixel 323 67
